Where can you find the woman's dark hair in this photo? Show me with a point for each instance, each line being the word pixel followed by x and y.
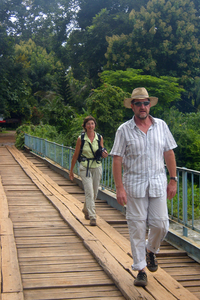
pixel 87 119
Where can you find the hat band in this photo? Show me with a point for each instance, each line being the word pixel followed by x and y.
pixel 140 97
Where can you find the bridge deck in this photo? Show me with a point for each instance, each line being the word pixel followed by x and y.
pixel 49 251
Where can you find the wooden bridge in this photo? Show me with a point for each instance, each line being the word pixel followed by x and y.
pixel 49 251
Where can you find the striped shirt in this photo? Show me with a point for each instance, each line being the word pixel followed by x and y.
pixel 143 160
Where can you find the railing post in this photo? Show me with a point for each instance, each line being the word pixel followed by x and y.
pixel 41 147
pixel 184 185
pixel 62 157
pixel 54 151
pixel 45 147
pixel 70 155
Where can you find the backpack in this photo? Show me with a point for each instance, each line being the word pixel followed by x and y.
pixel 97 154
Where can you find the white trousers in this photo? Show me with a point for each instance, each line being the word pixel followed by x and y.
pixel 91 186
pixel 141 212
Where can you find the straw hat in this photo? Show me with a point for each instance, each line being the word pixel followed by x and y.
pixel 140 93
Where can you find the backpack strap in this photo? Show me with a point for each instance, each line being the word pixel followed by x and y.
pixel 99 139
pixel 82 144
pixel 82 140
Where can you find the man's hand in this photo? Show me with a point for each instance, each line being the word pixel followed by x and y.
pixel 121 196
pixel 71 175
pixel 171 189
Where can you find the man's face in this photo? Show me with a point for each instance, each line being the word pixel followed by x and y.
pixel 141 108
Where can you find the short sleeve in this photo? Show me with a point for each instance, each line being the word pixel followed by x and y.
pixel 119 145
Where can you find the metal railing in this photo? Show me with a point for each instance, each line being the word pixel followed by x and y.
pixel 184 208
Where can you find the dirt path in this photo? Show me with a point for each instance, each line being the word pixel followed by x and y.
pixel 7 138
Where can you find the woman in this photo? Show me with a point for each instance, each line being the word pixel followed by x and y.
pixel 90 167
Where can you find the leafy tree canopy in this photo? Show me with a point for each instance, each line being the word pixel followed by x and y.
pixel 13 90
pixel 41 68
pixel 86 48
pixel 90 8
pixel 33 16
pixel 106 105
pixel 186 131
pixel 164 40
pixel 166 88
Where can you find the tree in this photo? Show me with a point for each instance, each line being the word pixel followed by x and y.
pixel 6 52
pixel 87 48
pixel 164 40
pixel 166 88
pixel 24 18
pixel 63 88
pixel 196 93
pixel 55 113
pixel 14 92
pixel 41 68
pixel 48 23
pixel 106 105
pixel 186 131
pixel 90 8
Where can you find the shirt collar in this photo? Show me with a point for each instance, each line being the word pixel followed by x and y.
pixel 133 124
pixel 87 138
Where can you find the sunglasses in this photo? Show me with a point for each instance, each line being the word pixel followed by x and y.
pixel 138 104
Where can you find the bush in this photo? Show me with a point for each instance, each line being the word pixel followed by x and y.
pixel 42 131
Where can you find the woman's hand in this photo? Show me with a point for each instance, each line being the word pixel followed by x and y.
pixel 104 153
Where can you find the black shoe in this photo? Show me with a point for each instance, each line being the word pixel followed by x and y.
pixel 152 264
pixel 141 279
pixel 93 222
pixel 86 214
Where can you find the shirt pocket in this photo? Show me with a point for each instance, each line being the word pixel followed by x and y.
pixel 135 148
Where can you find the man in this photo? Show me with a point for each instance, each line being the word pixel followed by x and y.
pixel 141 145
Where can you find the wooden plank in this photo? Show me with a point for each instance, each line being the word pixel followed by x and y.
pixel 65 281
pixel 104 292
pixel 60 268
pixel 176 271
pixel 12 296
pixel 11 278
pixel 3 202
pixel 0 264
pixel 113 269
pixel 6 227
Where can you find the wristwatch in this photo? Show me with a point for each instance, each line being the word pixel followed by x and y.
pixel 174 178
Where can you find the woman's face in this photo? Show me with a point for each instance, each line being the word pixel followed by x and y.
pixel 90 126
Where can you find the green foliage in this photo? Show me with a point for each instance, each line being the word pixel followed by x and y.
pixel 13 90
pixel 75 129
pixel 163 41
pixel 186 131
pixel 178 206
pixel 165 88
pixel 36 116
pixel 41 67
pixel 106 106
pixel 89 9
pixel 86 48
pixel 63 88
pixel 80 91
pixel 55 113
pixel 196 93
pixel 49 132
pixel 42 131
